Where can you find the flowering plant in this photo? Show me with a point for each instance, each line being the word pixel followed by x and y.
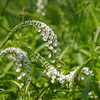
pixel 52 67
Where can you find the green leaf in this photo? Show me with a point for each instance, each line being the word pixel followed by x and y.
pixel 41 94
pixel 87 87
pixel 16 83
pixel 7 91
pixel 9 65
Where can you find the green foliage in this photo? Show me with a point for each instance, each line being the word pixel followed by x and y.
pixel 76 24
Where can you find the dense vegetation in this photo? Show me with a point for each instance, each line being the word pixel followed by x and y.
pixel 63 63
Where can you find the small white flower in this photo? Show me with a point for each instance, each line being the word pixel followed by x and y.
pixel 52 81
pixel 47 45
pixel 67 77
pixel 26 66
pixel 19 77
pixel 50 55
pixel 12 57
pixel 28 77
pixel 22 84
pixel 23 74
pixel 39 30
pixel 20 65
pixel 48 73
pixel 54 51
pixel 82 77
pixel 90 93
pixel 43 13
pixel 55 44
pixel 52 61
pixel 50 47
pixel 50 37
pixel 18 70
pixel 53 77
pixel 42 6
pixel 45 38
pixel 57 56
pixel 50 42
pixel 58 65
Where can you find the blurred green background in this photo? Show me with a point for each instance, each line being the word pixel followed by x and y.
pixel 75 22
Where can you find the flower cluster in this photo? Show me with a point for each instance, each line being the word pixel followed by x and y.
pixel 22 67
pixel 92 95
pixel 21 62
pixel 50 37
pixel 46 32
pixel 56 75
pixel 52 44
pixel 40 6
pixel 85 71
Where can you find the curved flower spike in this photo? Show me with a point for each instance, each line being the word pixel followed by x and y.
pixel 46 32
pixel 21 61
